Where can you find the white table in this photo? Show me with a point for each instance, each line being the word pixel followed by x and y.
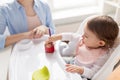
pixel 28 57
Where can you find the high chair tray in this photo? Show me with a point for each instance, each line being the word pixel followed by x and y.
pixel 28 56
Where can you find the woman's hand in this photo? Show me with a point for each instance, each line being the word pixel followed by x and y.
pixel 38 32
pixel 74 69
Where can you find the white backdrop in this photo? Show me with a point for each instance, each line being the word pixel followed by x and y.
pixel 5 1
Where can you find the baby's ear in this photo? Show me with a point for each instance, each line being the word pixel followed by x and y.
pixel 101 43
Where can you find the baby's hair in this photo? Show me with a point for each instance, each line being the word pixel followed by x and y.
pixel 105 28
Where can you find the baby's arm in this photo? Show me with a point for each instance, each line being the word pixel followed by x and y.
pixel 64 37
pixel 55 37
pixel 85 71
pixel 90 72
pixel 69 48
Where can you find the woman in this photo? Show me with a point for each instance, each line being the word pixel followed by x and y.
pixel 25 19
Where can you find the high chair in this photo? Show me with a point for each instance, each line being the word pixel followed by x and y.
pixel 107 68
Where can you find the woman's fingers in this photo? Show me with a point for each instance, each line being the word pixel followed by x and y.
pixel 38 33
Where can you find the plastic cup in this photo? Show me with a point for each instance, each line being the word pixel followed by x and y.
pixel 49 48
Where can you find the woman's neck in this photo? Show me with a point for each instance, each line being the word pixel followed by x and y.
pixel 26 3
pixel 28 6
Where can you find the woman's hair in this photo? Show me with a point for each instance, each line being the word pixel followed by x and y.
pixel 105 28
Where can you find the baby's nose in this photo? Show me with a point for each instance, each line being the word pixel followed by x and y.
pixel 82 36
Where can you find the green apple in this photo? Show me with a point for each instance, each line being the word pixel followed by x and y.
pixel 41 74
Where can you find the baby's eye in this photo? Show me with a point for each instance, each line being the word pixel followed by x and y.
pixel 85 36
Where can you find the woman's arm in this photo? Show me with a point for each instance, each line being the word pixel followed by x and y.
pixel 38 32
pixel 17 37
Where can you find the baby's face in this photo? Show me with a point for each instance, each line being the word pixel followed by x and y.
pixel 90 39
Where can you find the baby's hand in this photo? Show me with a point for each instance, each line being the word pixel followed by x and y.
pixel 54 38
pixel 47 42
pixel 74 69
